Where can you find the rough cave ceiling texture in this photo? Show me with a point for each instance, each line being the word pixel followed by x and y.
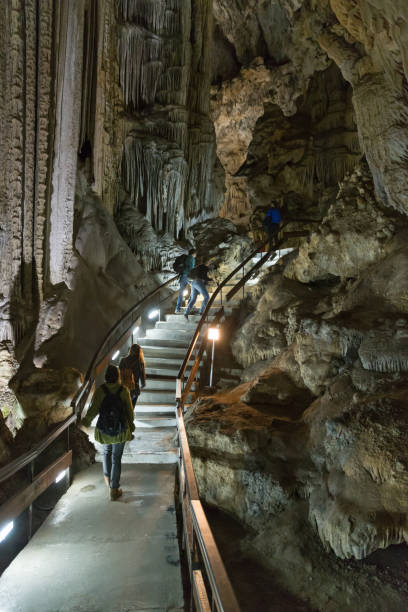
pixel 123 122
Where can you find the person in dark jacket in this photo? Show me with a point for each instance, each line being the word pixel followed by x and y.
pixel 112 445
pixel 189 264
pixel 200 279
pixel 133 363
pixel 271 224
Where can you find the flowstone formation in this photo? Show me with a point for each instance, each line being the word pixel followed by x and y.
pixel 169 145
pixel 310 451
pixel 104 114
pixel 288 50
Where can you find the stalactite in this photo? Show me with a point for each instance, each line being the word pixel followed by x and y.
pixel 168 157
pixel 155 178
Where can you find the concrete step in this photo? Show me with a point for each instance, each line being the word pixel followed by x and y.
pixel 157 396
pixel 170 334
pixel 151 446
pixel 153 457
pixel 155 384
pixel 166 371
pixel 168 343
pixel 153 421
pixel 179 322
pixel 144 409
pixel 163 352
pixel 193 319
pixel 159 363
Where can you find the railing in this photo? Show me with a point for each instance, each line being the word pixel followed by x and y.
pixel 210 585
pixel 201 549
pixel 38 483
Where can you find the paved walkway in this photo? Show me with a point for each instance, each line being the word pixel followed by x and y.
pixel 93 555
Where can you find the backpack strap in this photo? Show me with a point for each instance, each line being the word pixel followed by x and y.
pixel 118 392
pixel 105 389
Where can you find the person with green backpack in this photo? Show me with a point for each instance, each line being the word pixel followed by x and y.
pixel 112 402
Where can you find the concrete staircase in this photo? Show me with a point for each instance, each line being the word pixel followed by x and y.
pixel 164 348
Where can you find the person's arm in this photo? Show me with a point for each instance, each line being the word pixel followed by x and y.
pixel 93 408
pixel 129 407
pixel 142 368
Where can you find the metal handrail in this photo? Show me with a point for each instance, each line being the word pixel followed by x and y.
pixel 83 393
pixel 219 288
pixel 197 534
pixel 217 291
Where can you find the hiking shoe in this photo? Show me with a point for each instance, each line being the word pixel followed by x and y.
pixel 186 316
pixel 115 494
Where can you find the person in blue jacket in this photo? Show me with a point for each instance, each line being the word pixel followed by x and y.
pixel 271 224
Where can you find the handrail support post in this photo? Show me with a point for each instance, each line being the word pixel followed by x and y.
pixel 30 507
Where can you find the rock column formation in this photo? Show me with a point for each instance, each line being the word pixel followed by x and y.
pixel 169 146
pixel 104 106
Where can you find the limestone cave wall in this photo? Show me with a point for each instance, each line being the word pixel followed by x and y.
pixel 309 451
pixel 104 114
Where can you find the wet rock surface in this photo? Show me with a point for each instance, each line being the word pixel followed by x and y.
pixel 309 452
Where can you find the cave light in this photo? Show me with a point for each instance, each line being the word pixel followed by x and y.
pixel 6 530
pixel 154 313
pixel 185 292
pixel 213 333
pixel 60 476
pixel 115 355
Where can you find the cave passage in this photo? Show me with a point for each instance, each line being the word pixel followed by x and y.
pixel 94 555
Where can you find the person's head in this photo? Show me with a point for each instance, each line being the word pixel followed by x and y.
pixel 111 374
pixel 134 349
pixel 192 252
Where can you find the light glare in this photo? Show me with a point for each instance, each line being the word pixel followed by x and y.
pixel 6 530
pixel 185 292
pixel 60 476
pixel 153 313
pixel 213 333
pixel 136 329
pixel 115 355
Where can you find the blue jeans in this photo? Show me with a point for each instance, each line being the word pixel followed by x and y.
pixel 183 285
pixel 198 286
pixel 112 462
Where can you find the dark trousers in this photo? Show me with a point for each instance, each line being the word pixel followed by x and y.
pixel 134 394
pixel 273 232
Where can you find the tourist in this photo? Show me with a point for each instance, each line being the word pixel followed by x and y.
pixel 114 426
pixel 132 371
pixel 183 265
pixel 200 279
pixel 271 224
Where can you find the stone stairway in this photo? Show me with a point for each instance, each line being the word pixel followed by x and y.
pixel 164 348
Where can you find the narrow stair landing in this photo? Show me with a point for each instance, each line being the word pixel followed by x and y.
pixel 94 555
